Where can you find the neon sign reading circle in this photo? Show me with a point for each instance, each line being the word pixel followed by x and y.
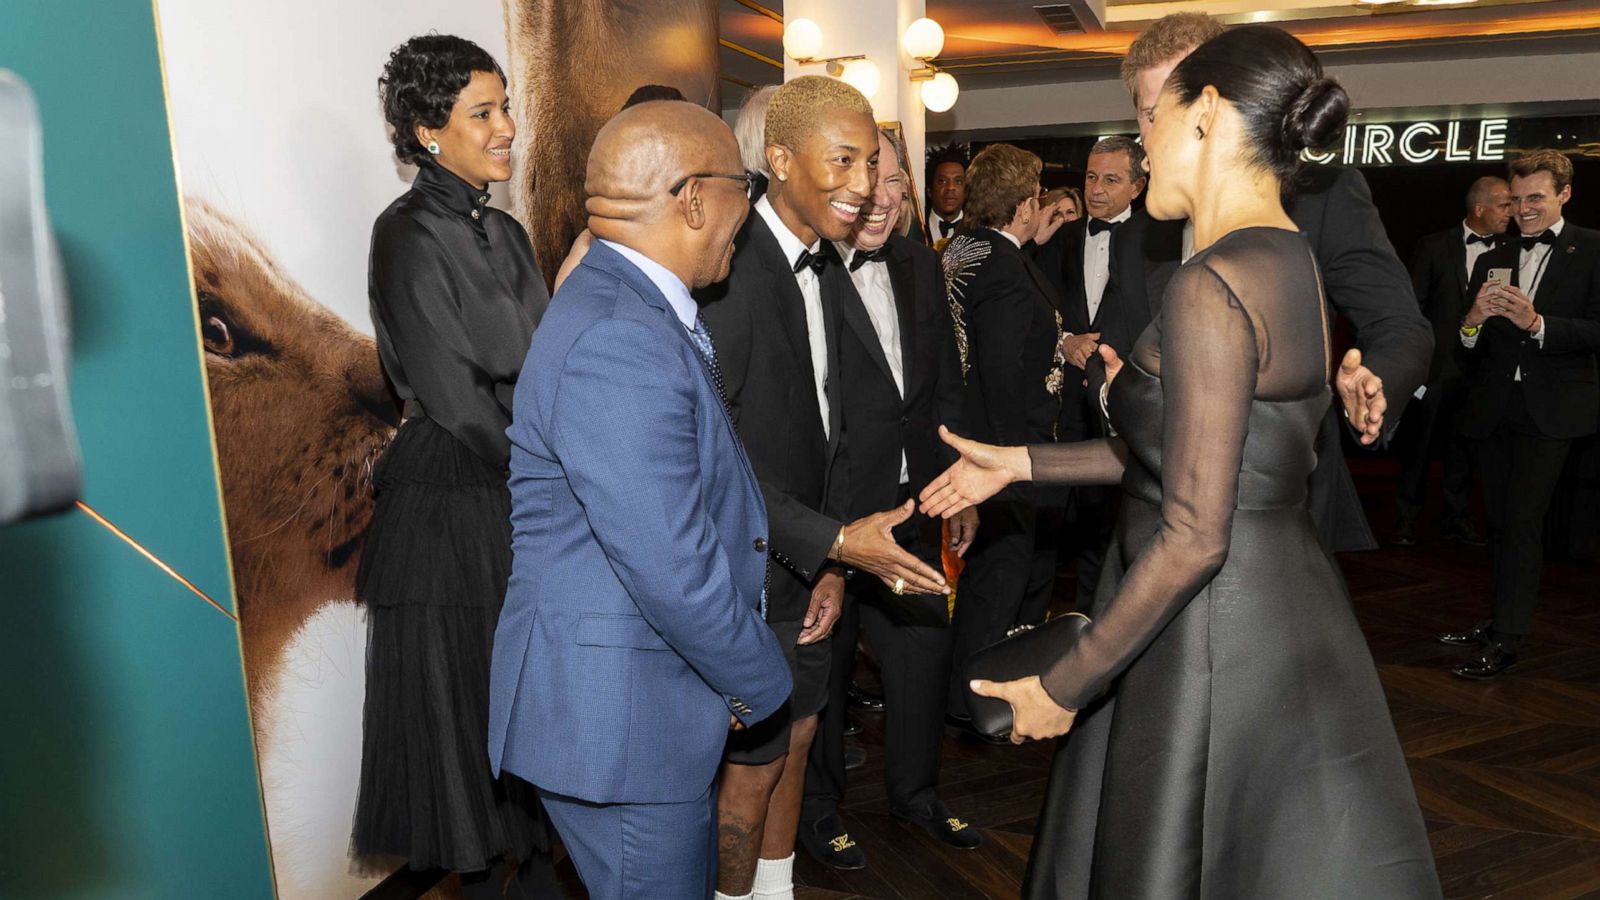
pixel 1418 143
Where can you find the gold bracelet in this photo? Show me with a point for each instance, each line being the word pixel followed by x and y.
pixel 838 545
pixel 1471 330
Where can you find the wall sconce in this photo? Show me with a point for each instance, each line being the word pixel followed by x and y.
pixel 924 40
pixel 802 41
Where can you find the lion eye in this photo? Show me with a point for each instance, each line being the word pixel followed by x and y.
pixel 217 335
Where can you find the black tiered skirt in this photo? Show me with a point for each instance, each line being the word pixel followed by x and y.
pixel 433 575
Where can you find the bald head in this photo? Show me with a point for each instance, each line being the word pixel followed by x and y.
pixel 644 150
pixel 1489 205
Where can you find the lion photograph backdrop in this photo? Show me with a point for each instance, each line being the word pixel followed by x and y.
pixel 284 162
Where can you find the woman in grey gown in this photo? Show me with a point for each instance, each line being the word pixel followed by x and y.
pixel 1229 737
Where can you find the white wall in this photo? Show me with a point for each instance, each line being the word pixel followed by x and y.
pixel 1515 79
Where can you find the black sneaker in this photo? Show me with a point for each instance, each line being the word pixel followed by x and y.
pixel 944 825
pixel 829 844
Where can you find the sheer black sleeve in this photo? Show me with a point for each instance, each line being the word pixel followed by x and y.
pixel 1208 380
pixel 416 309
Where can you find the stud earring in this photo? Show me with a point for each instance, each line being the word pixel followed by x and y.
pixel 433 147
pixel 1198 134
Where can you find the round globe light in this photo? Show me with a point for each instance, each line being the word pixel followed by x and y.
pixel 939 93
pixel 861 74
pixel 802 39
pixel 923 39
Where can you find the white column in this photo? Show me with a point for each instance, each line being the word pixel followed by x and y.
pixel 872 28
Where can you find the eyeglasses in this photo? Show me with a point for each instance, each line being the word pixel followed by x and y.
pixel 748 179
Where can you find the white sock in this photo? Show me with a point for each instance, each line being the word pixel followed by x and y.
pixel 718 895
pixel 775 879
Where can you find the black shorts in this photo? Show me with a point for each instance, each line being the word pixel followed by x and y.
pixel 768 739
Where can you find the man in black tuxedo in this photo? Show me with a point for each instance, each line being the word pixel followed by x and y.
pixel 1362 277
pixel 1528 345
pixel 1441 267
pixel 774 324
pixel 901 379
pixel 947 193
pixel 1078 260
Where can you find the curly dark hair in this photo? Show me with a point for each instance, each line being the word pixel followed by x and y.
pixel 420 84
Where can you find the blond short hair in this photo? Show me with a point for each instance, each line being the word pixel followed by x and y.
pixel 999 179
pixel 798 107
pixel 1553 161
pixel 1171 36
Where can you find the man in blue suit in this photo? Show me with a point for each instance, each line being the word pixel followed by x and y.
pixel 632 636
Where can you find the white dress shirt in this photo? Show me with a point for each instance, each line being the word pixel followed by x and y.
pixel 811 290
pixel 1531 264
pixel 1015 241
pixel 933 225
pixel 1473 250
pixel 877 295
pixel 1097 262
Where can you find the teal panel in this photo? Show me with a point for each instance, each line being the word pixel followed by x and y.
pixel 126 769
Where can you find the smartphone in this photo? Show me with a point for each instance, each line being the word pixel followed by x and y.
pixel 1500 276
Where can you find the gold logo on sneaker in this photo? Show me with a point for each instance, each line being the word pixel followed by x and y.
pixel 955 824
pixel 841 843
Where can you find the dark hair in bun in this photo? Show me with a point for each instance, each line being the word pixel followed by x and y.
pixel 420 84
pixel 1277 85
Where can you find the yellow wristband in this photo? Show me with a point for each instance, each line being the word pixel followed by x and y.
pixel 1471 330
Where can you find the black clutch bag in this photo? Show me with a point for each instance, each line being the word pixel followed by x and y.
pixel 1024 651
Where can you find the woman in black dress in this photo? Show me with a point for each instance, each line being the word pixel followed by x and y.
pixel 455 296
pixel 1229 738
pixel 1008 324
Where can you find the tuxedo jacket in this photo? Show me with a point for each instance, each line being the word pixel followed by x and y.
pixel 1061 261
pixel 1439 278
pixel 757 319
pixel 1559 382
pixel 880 422
pixel 1008 323
pixel 1361 275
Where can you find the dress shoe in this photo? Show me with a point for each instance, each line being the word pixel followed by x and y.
pixel 1406 535
pixel 851 727
pixel 1495 660
pixel 1480 633
pixel 854 756
pixel 862 699
pixel 1461 530
pixel 964 725
pixel 940 822
pixel 829 844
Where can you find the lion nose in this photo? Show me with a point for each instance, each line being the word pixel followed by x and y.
pixel 371 391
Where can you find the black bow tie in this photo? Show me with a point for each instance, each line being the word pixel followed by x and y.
pixel 1530 241
pixel 812 261
pixel 1484 239
pixel 1098 226
pixel 863 257
pixel 946 227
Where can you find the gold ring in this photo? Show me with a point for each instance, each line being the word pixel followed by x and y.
pixel 899 586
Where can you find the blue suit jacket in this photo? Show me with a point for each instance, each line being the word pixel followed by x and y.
pixel 631 627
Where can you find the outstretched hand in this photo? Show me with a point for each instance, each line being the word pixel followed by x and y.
pixel 1361 391
pixel 981 472
pixel 869 545
pixel 1034 716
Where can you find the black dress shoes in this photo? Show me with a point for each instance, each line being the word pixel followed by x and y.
pixel 1461 530
pixel 964 725
pixel 829 844
pixel 1480 633
pixel 1494 661
pixel 944 825
pixel 851 727
pixel 854 756
pixel 862 699
pixel 1406 535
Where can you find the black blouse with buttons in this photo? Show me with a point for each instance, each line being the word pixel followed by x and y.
pixel 455 295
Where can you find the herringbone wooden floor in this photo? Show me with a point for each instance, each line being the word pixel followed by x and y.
pixel 1507 773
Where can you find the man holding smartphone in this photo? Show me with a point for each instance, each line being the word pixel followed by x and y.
pixel 1528 344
